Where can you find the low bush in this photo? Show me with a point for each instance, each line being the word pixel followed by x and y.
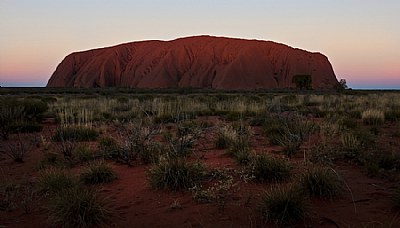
pixel 283 205
pixel 181 143
pixel 266 168
pixel 98 172
pixel 324 154
pixel 175 174
pixel 322 182
pixel 78 207
pixel 75 133
pixel 137 140
pixel 108 147
pixel 152 153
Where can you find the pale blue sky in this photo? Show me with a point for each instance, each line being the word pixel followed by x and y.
pixel 361 38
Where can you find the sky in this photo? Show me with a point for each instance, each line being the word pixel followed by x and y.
pixel 360 37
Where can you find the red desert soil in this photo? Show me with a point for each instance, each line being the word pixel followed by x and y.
pixel 365 204
pixel 198 62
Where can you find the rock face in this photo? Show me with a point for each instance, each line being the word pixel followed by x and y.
pixel 199 62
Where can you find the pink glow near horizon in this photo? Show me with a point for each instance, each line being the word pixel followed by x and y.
pixel 360 39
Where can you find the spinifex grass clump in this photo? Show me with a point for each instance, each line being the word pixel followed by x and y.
pixel 267 168
pixel 78 207
pixel 322 182
pixel 225 136
pixel 175 174
pixel 288 132
pixel 283 205
pixel 181 143
pixel 75 133
pixel 351 145
pixel 373 117
pixel 238 138
pixel 98 172
pixel 137 143
pixel 18 149
pixel 56 180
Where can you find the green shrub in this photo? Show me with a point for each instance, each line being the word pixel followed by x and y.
pixel 98 172
pixel 283 205
pixel 266 168
pixel 322 182
pixel 75 133
pixel 56 180
pixel 78 207
pixel 175 174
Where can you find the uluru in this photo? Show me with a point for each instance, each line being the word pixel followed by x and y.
pixel 197 62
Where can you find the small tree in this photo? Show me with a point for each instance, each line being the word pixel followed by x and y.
pixel 341 86
pixel 302 81
pixel 343 83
